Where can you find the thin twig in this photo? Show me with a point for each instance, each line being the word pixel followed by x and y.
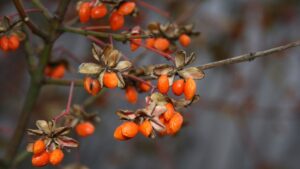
pixel 62 82
pixel 249 56
pixel 45 11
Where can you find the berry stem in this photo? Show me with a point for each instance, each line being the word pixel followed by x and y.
pixel 153 8
pixel 95 27
pixel 139 80
pixel 97 41
pixel 167 56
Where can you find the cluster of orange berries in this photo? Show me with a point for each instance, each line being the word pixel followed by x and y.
pixel 41 157
pixel 85 129
pixel 55 71
pixel 89 10
pixel 180 86
pixel 163 44
pixel 172 120
pixel 8 43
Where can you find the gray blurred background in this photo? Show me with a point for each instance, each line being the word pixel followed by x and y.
pixel 249 113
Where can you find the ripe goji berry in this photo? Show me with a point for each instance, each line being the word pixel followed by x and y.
pixel 4 43
pixel 135 44
pixel 170 112
pixel 163 84
pixel 40 160
pixel 129 129
pixel 126 8
pixel 144 86
pixel 161 44
pixel 38 147
pixel 13 42
pixel 56 157
pixel 98 11
pixel 116 21
pixel 190 89
pixel 118 134
pixel 178 87
pixel 85 129
pixel 150 42
pixel 92 86
pixel 110 80
pixel 146 128
pixel 84 12
pixel 184 40
pixel 58 71
pixel 131 94
pixel 174 124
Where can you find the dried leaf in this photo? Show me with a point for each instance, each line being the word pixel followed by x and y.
pixel 121 82
pixel 101 78
pixel 67 142
pixel 158 98
pixel 192 72
pixel 123 66
pixel 126 114
pixel 180 59
pixel 61 131
pixel 182 103
pixel 34 132
pixel 43 126
pixel 97 51
pixel 110 56
pixel 163 69
pixel 90 68
pixel 157 125
pixel 190 58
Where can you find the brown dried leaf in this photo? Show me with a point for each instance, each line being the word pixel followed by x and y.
pixel 157 125
pixel 101 78
pixel 163 69
pixel 158 98
pixel 67 142
pixel 192 72
pixel 121 82
pixel 43 126
pixel 61 131
pixel 110 56
pixel 90 68
pixel 34 132
pixel 190 58
pixel 97 51
pixel 123 66
pixel 182 103
pixel 126 114
pixel 180 59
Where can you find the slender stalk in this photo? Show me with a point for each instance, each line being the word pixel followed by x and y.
pixel 62 82
pixel 45 11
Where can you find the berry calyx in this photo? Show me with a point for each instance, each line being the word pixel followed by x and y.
pixel 110 80
pixel 184 40
pixel 178 87
pixel 163 84
pixel 98 11
pixel 85 129
pixel 40 160
pixel 146 128
pixel 131 94
pixel 56 157
pixel 116 21
pixel 126 8
pixel 84 12
pixel 38 147
pixel 161 44
pixel 190 89
pixel 92 86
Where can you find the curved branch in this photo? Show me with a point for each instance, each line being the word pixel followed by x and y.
pixel 248 57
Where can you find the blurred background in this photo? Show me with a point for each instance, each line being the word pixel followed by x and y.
pixel 249 113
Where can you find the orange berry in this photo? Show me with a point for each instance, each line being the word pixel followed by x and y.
pixel 150 42
pixel 131 94
pixel 170 112
pixel 129 129
pixel 4 43
pixel 38 147
pixel 184 40
pixel 58 71
pixel 99 11
pixel 116 21
pixel 145 87
pixel 190 89
pixel 92 86
pixel 126 8
pixel 178 87
pixel 56 156
pixel 84 12
pixel 118 134
pixel 13 42
pixel 110 80
pixel 175 123
pixel 85 129
pixel 145 128
pixel 135 44
pixel 163 84
pixel 40 160
pixel 161 44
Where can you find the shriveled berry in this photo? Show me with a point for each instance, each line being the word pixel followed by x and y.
pixel 131 94
pixel 110 80
pixel 4 43
pixel 126 8
pixel 190 89
pixel 92 86
pixel 118 133
pixel 38 147
pixel 161 44
pixel 184 40
pixel 178 87
pixel 84 12
pixel 98 11
pixel 56 157
pixel 175 124
pixel 13 42
pixel 145 87
pixel 163 84
pixel 85 129
pixel 170 112
pixel 40 160
pixel 146 128
pixel 129 129
pixel 150 42
pixel 116 21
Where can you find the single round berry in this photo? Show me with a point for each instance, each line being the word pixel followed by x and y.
pixel 38 147
pixel 146 128
pixel 178 87
pixel 145 87
pixel 190 89
pixel 84 12
pixel 131 94
pixel 118 134
pixel 13 42
pixel 92 86
pixel 135 44
pixel 129 129
pixel 175 124
pixel 99 11
pixel 58 71
pixel 56 157
pixel 110 80
pixel 126 8
pixel 163 84
pixel 40 160
pixel 150 42
pixel 184 40
pixel 116 21
pixel 4 43
pixel 170 111
pixel 161 44
pixel 85 129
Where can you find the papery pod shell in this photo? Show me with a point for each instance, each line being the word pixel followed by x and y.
pixel 192 72
pixel 89 68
